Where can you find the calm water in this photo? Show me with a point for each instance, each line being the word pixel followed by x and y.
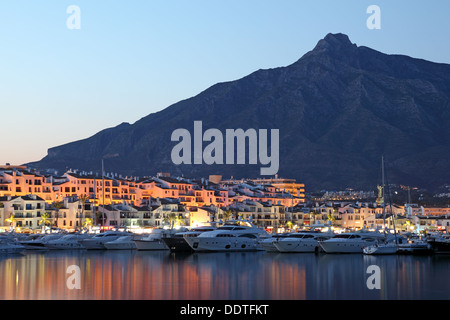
pixel 126 275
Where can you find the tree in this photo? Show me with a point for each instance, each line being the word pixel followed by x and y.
pixel 173 219
pixel 57 206
pixel 45 219
pixel 227 214
pixel 288 225
pixel 11 220
pixel 331 218
pixel 88 223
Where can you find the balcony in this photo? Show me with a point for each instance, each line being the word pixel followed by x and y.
pixel 24 215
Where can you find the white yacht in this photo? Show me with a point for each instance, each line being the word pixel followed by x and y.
pixel 389 245
pixel 415 246
pixel 70 241
pixel 39 243
pixel 97 242
pixel 154 240
pixel 350 242
pixel 237 235
pixel 268 243
pixel 300 242
pixel 177 243
pixel 381 248
pixel 10 246
pixel 121 243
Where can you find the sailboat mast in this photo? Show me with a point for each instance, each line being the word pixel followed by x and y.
pixel 383 185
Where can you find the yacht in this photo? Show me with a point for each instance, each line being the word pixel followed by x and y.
pixel 121 243
pixel 440 243
pixel 415 246
pixel 154 240
pixel 301 242
pixel 39 243
pixel 177 243
pixel 97 242
pixel 268 243
pixel 10 246
pixel 237 235
pixel 70 241
pixel 385 246
pixel 350 242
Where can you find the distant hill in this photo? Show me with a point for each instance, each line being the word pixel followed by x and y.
pixel 338 109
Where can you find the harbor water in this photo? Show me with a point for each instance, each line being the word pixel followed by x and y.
pixel 161 275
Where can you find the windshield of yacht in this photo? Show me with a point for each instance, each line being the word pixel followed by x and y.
pixel 343 236
pixel 225 228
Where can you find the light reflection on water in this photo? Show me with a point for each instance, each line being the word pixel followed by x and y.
pixel 127 275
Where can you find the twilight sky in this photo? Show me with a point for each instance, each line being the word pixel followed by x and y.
pixel 133 58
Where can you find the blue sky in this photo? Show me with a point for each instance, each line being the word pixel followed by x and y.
pixel 132 58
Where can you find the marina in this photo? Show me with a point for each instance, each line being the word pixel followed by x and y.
pixel 235 261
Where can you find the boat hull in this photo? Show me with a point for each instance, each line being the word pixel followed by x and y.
pixel 72 245
pixel 440 246
pixel 11 249
pixel 380 249
pixel 224 244
pixel 150 245
pixel 177 244
pixel 297 246
pixel 120 245
pixel 344 246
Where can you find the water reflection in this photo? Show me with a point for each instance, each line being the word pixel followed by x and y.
pixel 126 275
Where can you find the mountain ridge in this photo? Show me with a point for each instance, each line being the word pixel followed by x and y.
pixel 339 108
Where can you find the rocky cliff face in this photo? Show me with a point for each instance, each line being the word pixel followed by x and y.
pixel 338 109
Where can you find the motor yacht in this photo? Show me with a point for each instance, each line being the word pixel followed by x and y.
pixel 68 242
pixel 39 243
pixel 268 242
pixel 350 242
pixel 97 242
pixel 440 243
pixel 415 246
pixel 121 243
pixel 237 235
pixel 8 245
pixel 177 243
pixel 300 242
pixel 389 245
pixel 154 240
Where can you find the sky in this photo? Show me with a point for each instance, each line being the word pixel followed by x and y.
pixel 132 58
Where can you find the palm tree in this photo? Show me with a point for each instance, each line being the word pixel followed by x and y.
pixel 408 224
pixel 331 218
pixel 88 223
pixel 313 214
pixel 57 206
pixel 289 225
pixel 45 219
pixel 11 220
pixel 227 214
pixel 173 219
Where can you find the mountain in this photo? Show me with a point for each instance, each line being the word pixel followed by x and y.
pixel 338 109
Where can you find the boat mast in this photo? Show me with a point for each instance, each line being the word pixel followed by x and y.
pixel 392 214
pixel 382 190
